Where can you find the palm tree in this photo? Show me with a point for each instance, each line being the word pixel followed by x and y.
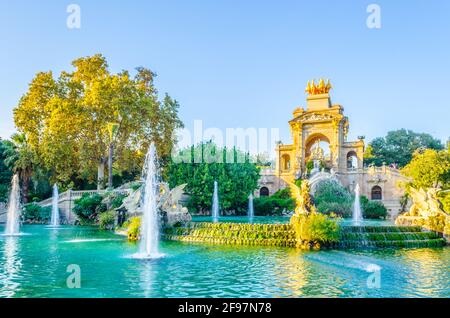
pixel 20 159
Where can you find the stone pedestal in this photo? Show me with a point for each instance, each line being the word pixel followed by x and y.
pixel 175 218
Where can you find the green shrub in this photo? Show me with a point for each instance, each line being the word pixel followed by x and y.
pixel 133 228
pixel 282 194
pixel 341 209
pixel 113 200
pixel 276 204
pixel 106 220
pixel 332 197
pixel 315 229
pixel 34 213
pixel 88 207
pixel 372 209
pixel 117 200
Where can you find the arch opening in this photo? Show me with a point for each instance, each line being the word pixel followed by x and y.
pixel 285 162
pixel 264 192
pixel 376 193
pixel 352 160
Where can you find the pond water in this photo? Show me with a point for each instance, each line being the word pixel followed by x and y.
pixel 35 265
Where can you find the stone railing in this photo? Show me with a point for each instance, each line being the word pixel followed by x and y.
pixel 76 194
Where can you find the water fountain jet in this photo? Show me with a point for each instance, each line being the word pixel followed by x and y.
pixel 357 214
pixel 149 240
pixel 54 221
pixel 215 204
pixel 13 215
pixel 251 211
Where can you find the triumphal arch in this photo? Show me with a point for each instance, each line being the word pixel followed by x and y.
pixel 319 134
pixel 320 123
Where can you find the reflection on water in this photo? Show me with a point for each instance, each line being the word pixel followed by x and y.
pixel 35 266
pixel 147 275
pixel 10 265
pixel 424 270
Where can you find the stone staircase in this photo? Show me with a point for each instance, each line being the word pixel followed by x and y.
pixel 233 234
pixel 389 236
pixel 283 235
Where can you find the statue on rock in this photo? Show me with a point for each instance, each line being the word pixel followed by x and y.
pixel 303 204
pixel 426 211
pixel 172 212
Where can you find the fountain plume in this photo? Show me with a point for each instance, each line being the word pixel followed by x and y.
pixel 54 221
pixel 251 212
pixel 215 203
pixel 149 241
pixel 357 214
pixel 13 214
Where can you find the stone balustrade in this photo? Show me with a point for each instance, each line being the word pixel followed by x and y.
pixel 66 202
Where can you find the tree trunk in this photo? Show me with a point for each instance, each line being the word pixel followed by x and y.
pixel 101 174
pixel 110 162
pixel 25 190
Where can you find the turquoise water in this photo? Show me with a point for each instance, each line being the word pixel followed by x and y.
pixel 35 266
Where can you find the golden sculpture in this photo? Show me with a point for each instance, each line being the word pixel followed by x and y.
pixel 315 89
pixel 303 204
pixel 426 211
pixel 317 152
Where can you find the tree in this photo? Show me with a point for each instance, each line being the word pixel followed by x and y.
pixel 398 147
pixel 5 173
pixel 20 159
pixel 65 120
pixel 236 179
pixel 429 168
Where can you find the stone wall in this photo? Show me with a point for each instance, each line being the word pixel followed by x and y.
pixel 388 179
pixel 269 180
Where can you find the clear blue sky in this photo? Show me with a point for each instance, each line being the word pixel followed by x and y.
pixel 246 63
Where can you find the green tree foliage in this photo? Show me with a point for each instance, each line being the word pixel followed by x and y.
pixel 35 214
pixel 429 168
pixel 197 166
pixel 88 207
pixel 276 204
pixel 332 197
pixel 20 159
pixel 398 147
pixel 444 197
pixel 315 229
pixel 5 173
pixel 106 220
pixel 372 209
pixel 65 119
